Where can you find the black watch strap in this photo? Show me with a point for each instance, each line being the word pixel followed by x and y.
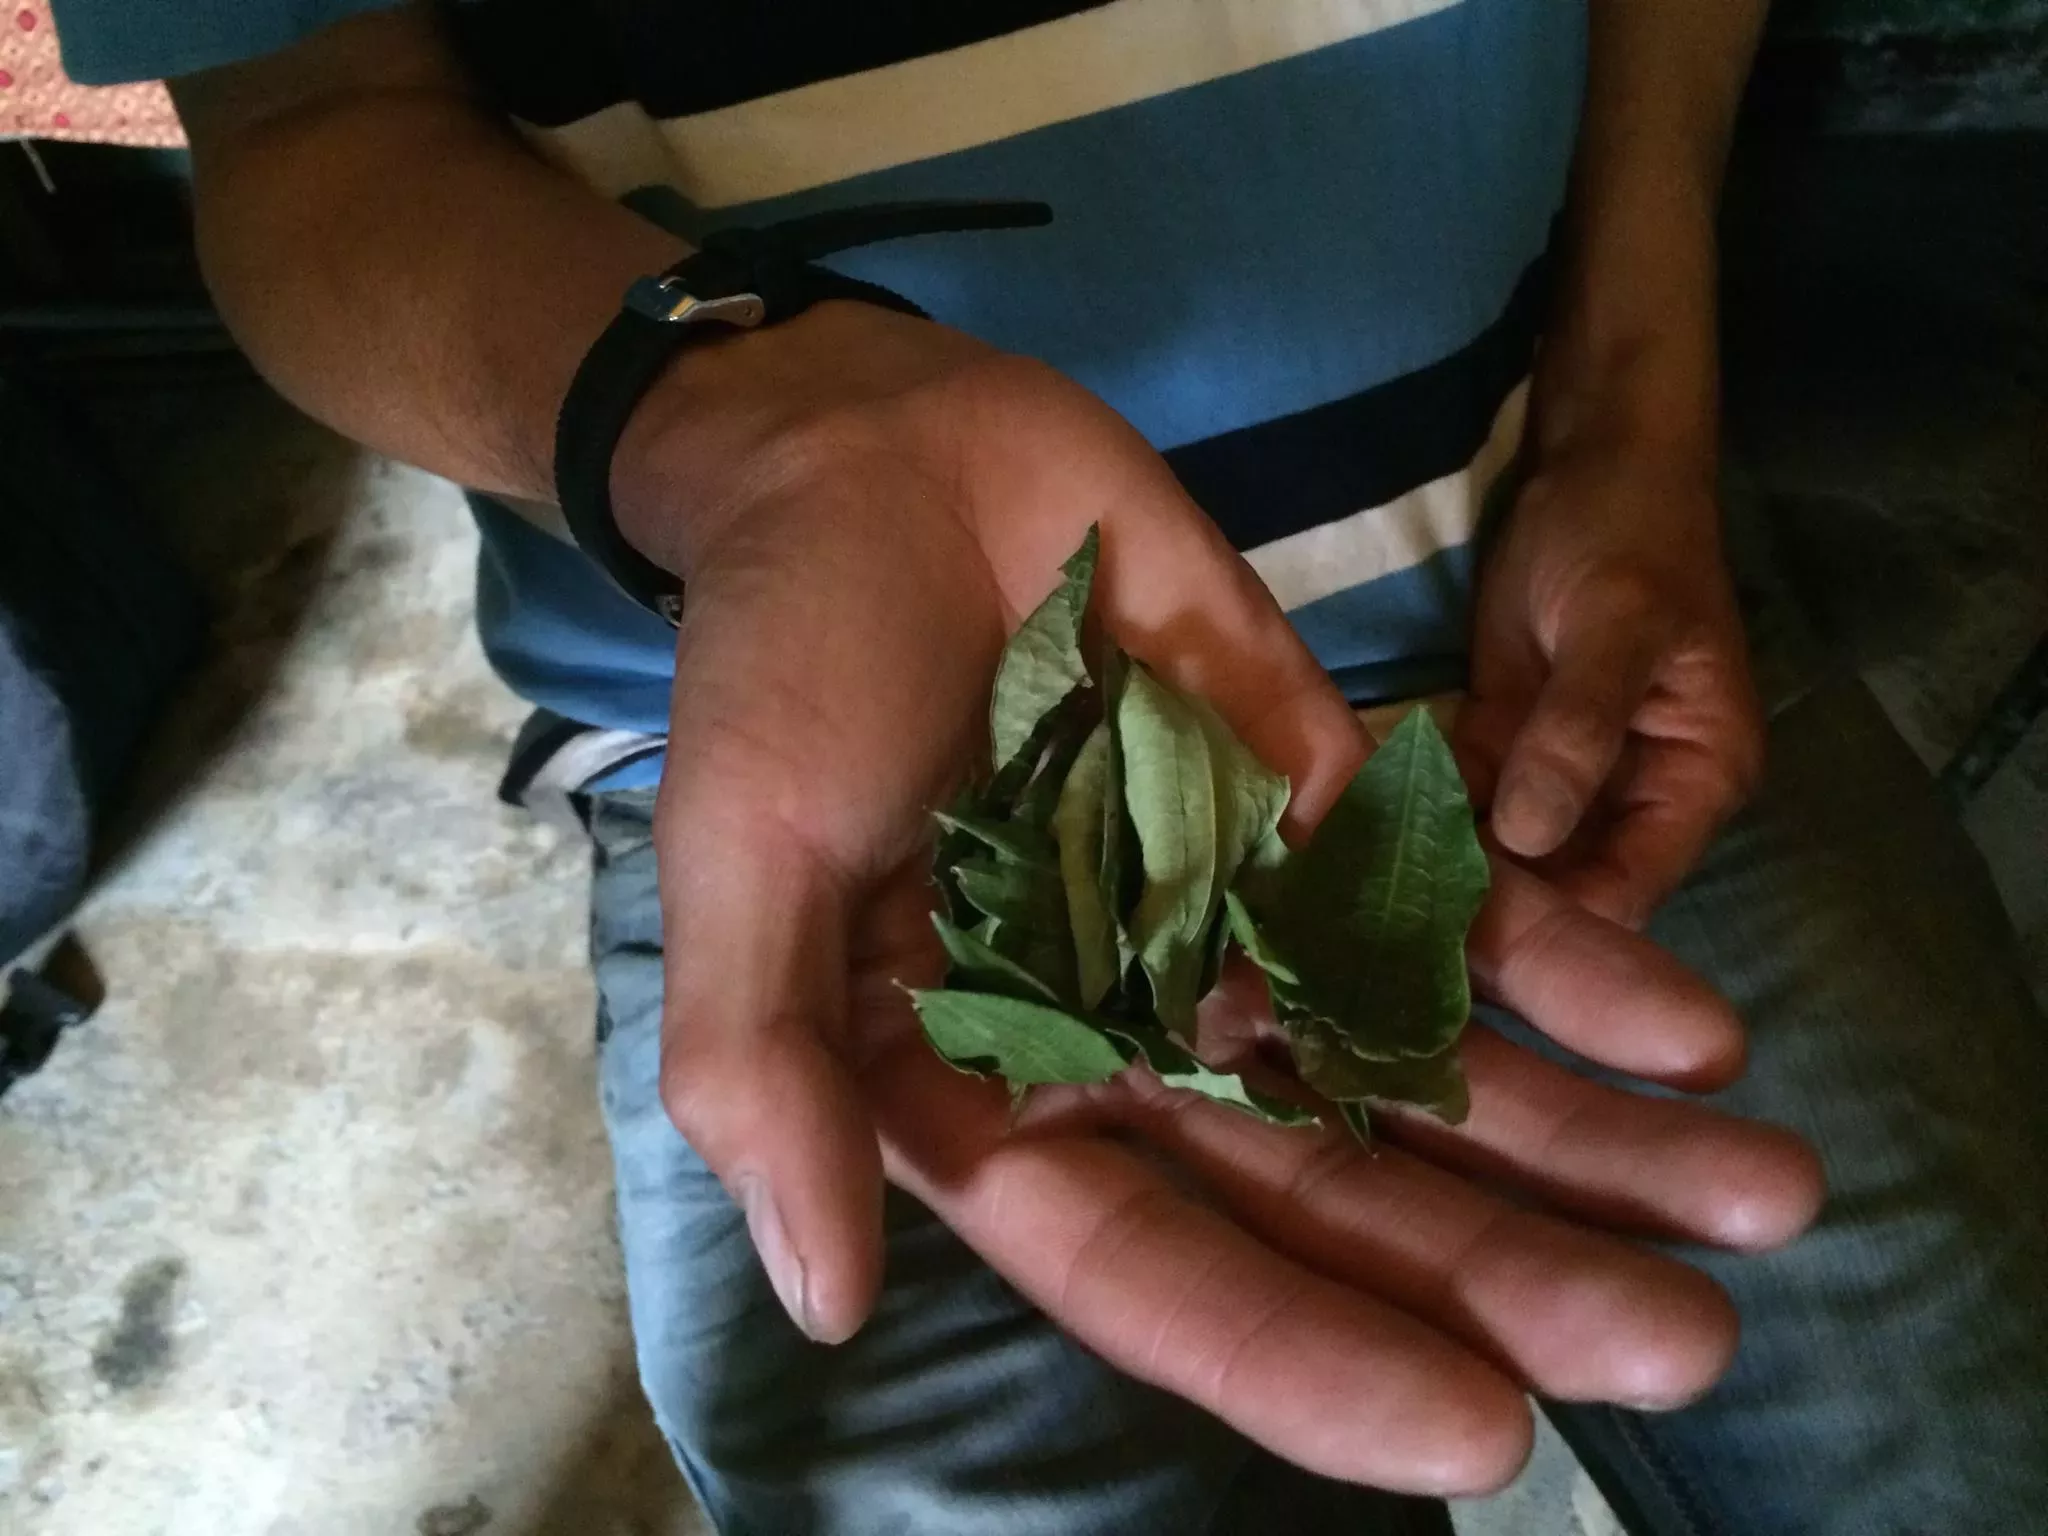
pixel 739 279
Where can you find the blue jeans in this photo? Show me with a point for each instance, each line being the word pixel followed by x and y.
pixel 1893 1378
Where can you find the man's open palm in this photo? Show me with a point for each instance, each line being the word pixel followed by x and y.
pixel 1371 1317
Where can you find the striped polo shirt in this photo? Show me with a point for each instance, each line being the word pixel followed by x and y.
pixel 1298 243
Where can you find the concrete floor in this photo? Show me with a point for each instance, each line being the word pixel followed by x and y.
pixel 308 1233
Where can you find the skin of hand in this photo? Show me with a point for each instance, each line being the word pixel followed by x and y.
pixel 1611 721
pixel 873 503
pixel 1612 724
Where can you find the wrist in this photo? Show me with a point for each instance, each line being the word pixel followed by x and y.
pixel 1652 397
pixel 746 279
pixel 1630 354
pixel 716 418
pixel 765 411
pixel 701 415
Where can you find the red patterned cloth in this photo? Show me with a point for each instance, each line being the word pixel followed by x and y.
pixel 39 101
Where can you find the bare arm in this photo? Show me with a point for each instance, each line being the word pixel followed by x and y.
pixel 1611 700
pixel 402 267
pixel 393 259
pixel 1632 344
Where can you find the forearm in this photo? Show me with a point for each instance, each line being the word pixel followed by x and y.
pixel 393 259
pixel 1631 348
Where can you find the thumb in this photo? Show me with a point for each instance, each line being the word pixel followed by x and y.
pixel 754 927
pixel 1575 731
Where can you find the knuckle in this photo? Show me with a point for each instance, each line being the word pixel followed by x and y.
pixel 1731 778
pixel 698 1103
pixel 1573 739
pixel 1125 1224
pixel 1326 1162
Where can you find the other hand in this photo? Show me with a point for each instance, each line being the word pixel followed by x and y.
pixel 1611 723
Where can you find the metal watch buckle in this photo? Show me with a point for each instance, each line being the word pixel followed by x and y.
pixel 667 300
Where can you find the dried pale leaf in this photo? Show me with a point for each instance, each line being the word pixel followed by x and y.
pixel 1244 929
pixel 1006 891
pixel 1260 873
pixel 1015 841
pixel 1078 829
pixel 1357 1122
pixel 1434 1084
pixel 1122 863
pixel 1170 795
pixel 1250 800
pixel 1371 916
pixel 1178 1067
pixel 1043 663
pixel 1028 906
pixel 974 965
pixel 1067 729
pixel 1026 1043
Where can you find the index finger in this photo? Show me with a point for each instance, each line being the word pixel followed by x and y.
pixel 1574 733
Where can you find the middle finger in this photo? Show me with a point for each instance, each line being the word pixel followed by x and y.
pixel 1575 1314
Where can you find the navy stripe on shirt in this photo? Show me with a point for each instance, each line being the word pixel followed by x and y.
pixel 1299 471
pixel 676 59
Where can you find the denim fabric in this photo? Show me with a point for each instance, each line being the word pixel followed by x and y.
pixel 45 827
pixel 1893 1376
pixel 1893 1379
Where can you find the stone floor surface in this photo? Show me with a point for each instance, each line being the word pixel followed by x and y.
pixel 308 1233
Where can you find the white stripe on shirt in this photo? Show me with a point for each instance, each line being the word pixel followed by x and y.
pixel 978 94
pixel 1398 535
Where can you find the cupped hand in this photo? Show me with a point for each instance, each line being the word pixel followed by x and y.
pixel 869 505
pixel 1611 721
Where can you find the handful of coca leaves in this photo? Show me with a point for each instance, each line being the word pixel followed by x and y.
pixel 1125 839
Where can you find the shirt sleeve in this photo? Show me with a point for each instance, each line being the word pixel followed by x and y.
pixel 112 42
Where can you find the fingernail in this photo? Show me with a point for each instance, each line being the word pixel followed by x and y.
pixel 771 1242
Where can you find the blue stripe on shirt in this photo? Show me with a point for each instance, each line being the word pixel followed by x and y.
pixel 1265 242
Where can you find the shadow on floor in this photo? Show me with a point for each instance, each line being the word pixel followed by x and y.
pixel 619 1480
pixel 1886 338
pixel 250 496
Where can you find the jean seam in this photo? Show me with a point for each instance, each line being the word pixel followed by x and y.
pixel 693 1476
pixel 1680 1497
